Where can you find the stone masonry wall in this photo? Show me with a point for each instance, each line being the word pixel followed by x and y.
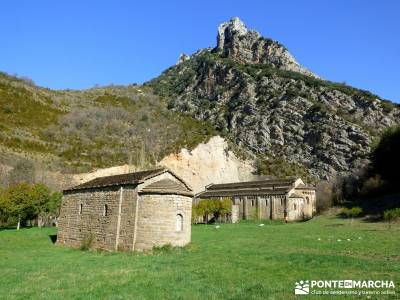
pixel 278 207
pixel 310 204
pixel 295 209
pixel 157 221
pixel 75 227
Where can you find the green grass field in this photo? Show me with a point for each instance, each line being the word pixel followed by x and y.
pixel 236 261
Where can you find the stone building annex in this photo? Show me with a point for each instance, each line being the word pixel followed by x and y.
pixel 134 211
pixel 266 199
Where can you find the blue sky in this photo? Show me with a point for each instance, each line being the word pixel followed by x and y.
pixel 77 44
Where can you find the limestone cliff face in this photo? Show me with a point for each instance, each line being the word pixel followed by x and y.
pixel 208 163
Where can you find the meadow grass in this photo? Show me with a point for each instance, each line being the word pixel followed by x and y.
pixel 236 261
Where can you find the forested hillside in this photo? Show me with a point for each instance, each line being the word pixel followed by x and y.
pixel 100 127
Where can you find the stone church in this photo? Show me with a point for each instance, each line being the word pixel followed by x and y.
pixel 265 199
pixel 127 212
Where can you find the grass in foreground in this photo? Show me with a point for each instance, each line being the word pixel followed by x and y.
pixel 236 261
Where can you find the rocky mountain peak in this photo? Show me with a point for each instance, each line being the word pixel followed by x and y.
pixel 270 107
pixel 228 31
pixel 237 42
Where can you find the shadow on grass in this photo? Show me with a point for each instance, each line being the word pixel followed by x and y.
pixel 53 238
pixel 15 228
pixel 7 228
pixel 373 219
pixel 334 225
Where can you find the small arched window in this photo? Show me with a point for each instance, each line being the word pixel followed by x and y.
pixel 179 222
pixel 308 200
pixel 80 208
pixel 252 202
pixel 281 202
pixel 266 202
pixel 105 210
pixel 294 206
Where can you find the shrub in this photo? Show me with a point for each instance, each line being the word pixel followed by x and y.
pixel 7 109
pixel 215 207
pixel 87 242
pixel 391 214
pixel 167 248
pixel 352 212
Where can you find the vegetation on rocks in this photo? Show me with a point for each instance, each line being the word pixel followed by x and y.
pixel 276 167
pixel 326 127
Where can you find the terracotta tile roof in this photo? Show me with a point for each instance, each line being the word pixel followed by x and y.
pixel 121 179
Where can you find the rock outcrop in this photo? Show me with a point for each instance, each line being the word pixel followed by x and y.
pixel 182 57
pixel 252 90
pixel 208 163
pixel 235 41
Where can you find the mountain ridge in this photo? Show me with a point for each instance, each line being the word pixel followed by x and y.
pixel 248 89
pixel 272 111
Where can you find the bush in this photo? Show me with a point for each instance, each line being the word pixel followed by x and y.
pixel 167 248
pixel 352 212
pixel 215 207
pixel 391 214
pixel 87 242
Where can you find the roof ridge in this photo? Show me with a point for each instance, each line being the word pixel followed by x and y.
pixel 129 173
pixel 130 178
